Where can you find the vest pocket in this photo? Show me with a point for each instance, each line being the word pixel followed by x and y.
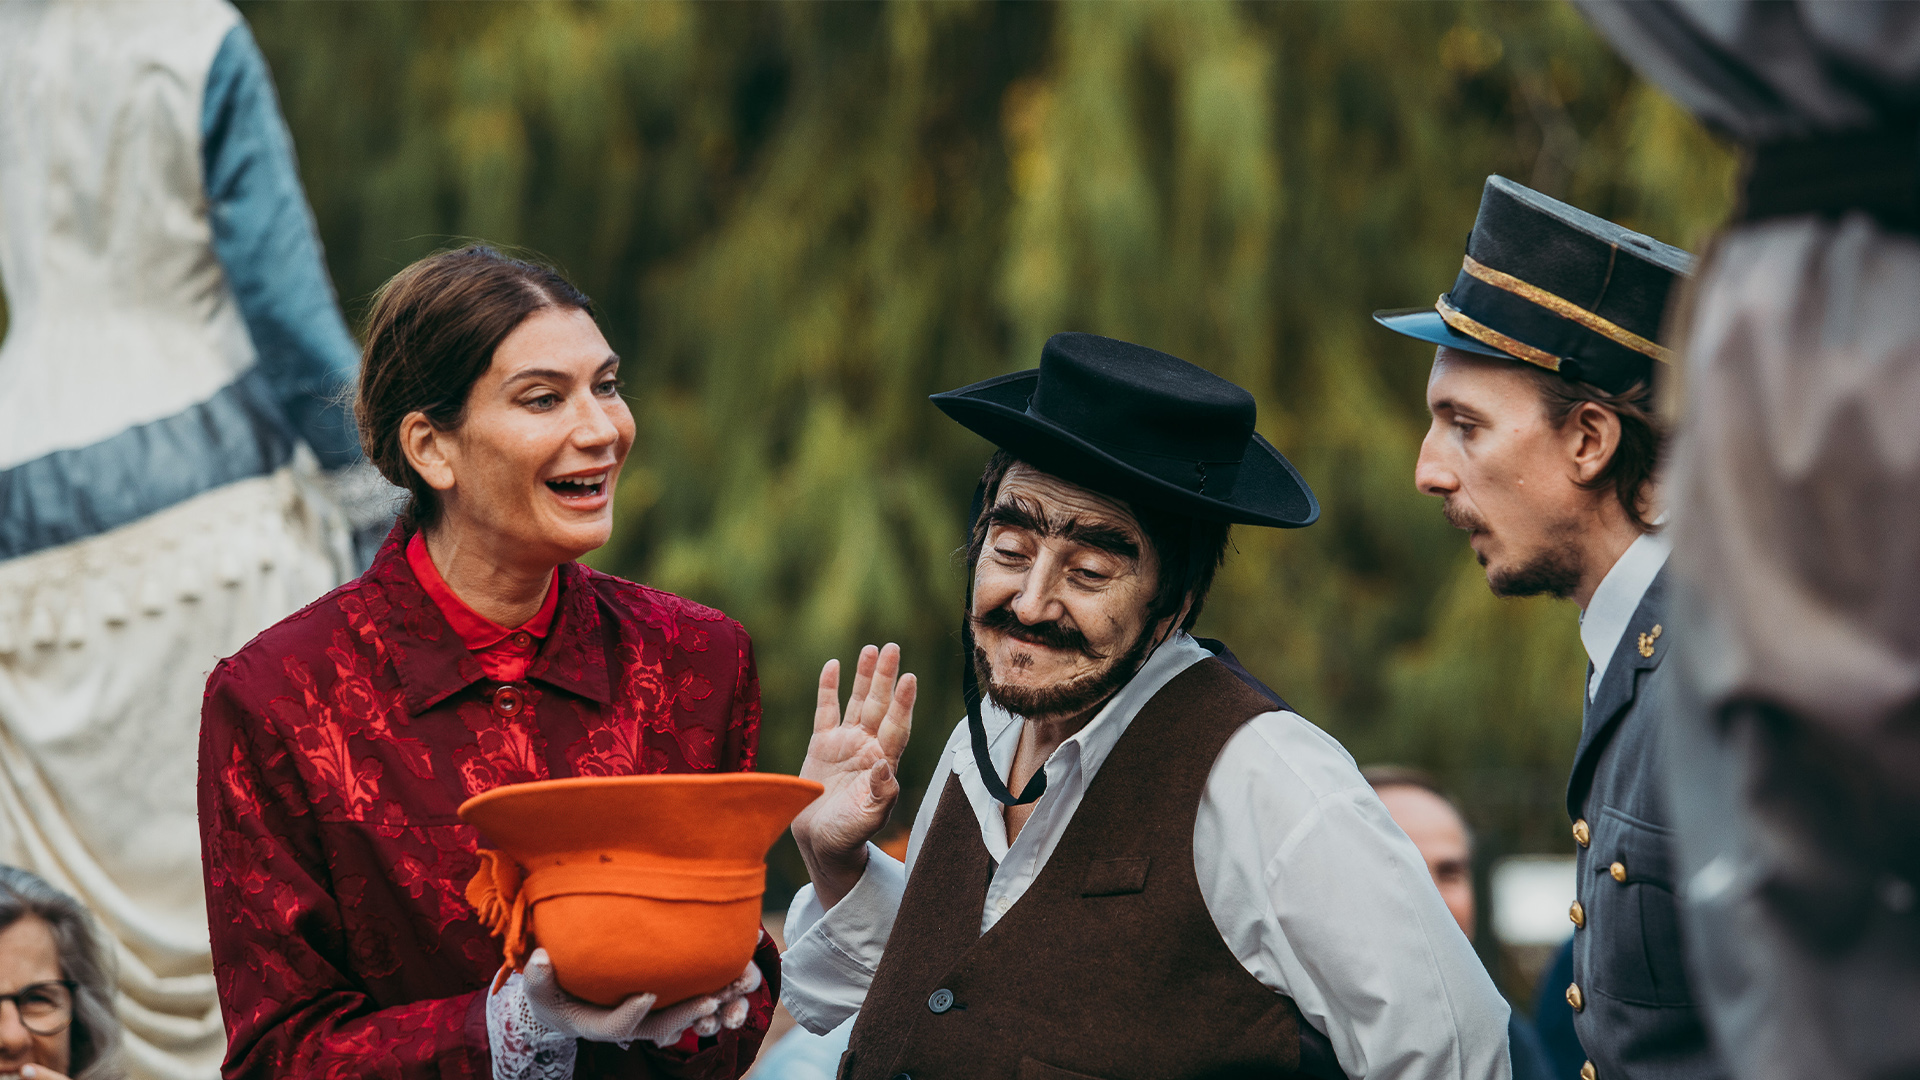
pixel 1115 877
pixel 1034 1070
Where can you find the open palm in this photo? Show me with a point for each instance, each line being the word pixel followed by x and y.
pixel 857 759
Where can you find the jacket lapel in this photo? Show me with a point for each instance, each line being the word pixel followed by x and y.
pixel 1639 650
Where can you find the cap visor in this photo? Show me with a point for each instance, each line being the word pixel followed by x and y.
pixel 1425 324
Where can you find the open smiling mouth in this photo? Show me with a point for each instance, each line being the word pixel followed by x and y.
pixel 578 487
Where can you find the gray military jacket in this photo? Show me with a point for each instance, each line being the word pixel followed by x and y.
pixel 1633 1010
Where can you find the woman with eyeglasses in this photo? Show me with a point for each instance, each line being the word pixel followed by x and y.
pixel 56 1001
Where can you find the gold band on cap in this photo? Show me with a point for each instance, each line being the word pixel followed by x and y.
pixel 1564 308
pixel 1486 335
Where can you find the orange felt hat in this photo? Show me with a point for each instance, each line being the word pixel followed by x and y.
pixel 633 884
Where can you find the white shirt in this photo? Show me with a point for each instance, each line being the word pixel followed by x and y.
pixel 1312 886
pixel 1617 598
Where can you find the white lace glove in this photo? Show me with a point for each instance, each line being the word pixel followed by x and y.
pixel 634 1019
pixel 523 1047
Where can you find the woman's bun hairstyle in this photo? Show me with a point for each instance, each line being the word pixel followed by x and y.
pixel 431 334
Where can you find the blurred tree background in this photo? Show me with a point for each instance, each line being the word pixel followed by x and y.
pixel 799 220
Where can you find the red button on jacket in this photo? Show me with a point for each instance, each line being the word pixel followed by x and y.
pixel 334 751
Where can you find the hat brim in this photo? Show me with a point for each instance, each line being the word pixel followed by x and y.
pixel 704 817
pixel 1267 491
pixel 1425 324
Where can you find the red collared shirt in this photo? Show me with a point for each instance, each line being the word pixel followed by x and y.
pixel 334 751
pixel 504 654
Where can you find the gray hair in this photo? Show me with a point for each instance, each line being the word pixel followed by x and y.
pixel 95 1033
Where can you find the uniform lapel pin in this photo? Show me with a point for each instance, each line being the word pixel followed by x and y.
pixel 1647 640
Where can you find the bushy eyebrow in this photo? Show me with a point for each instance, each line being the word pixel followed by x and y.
pixel 1018 513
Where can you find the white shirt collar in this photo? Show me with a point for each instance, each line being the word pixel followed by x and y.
pixel 1617 598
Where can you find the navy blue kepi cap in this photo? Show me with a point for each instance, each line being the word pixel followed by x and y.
pixel 1550 284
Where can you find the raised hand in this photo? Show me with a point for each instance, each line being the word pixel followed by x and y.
pixel 857 758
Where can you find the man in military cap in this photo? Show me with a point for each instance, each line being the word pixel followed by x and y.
pixel 1544 444
pixel 1193 881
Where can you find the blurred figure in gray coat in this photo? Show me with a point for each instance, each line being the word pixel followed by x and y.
pixel 1795 744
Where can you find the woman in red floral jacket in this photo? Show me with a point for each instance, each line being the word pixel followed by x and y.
pixel 475 652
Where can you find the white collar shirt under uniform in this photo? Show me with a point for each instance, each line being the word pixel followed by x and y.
pixel 1312 886
pixel 1616 599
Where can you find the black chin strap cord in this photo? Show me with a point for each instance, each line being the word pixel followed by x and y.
pixel 970 688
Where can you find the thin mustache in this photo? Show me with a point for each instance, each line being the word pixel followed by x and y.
pixel 1461 518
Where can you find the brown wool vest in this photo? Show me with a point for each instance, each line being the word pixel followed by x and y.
pixel 1109 967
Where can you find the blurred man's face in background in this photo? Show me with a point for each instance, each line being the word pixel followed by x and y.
pixel 1436 828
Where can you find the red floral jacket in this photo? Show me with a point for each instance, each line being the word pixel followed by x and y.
pixel 334 750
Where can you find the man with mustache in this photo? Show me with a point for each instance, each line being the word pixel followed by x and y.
pixel 1544 444
pixel 1192 880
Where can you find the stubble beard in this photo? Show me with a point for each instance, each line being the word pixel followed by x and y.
pixel 1071 697
pixel 1553 571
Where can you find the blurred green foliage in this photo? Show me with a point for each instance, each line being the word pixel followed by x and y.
pixel 800 219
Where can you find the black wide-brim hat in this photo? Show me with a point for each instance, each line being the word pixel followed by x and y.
pixel 1552 285
pixel 1137 424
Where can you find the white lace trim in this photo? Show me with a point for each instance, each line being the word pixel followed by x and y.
pixel 523 1047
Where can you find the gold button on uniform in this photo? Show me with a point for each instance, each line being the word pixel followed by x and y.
pixel 1587 1072
pixel 1578 914
pixel 1575 998
pixel 1581 834
pixel 1619 872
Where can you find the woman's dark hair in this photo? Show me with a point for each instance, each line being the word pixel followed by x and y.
pixel 430 336
pixel 1189 549
pixel 1643 438
pixel 95 1033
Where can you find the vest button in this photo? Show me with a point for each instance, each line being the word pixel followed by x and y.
pixel 940 1001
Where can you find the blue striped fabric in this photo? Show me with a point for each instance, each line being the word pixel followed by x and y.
pixel 70 495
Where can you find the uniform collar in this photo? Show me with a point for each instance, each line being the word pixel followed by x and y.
pixel 1645 640
pixel 394 611
pixel 476 631
pixel 1617 598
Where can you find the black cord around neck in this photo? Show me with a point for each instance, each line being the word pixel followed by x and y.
pixel 982 757
pixel 970 685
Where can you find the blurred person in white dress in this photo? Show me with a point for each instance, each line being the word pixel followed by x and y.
pixel 177 471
